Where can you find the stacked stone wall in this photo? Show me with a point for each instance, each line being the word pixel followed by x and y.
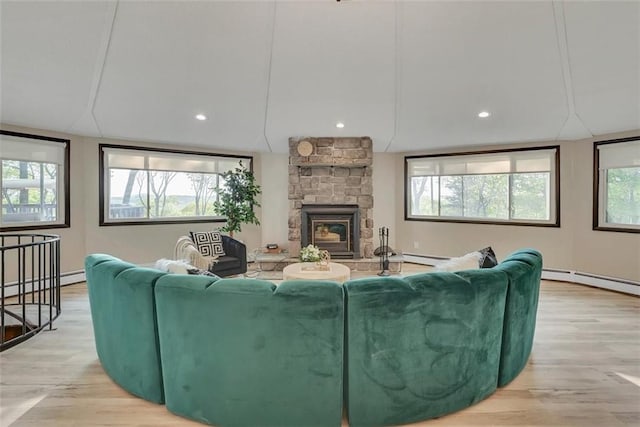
pixel 338 171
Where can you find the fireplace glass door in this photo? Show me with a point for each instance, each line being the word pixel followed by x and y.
pixel 333 235
pixel 335 228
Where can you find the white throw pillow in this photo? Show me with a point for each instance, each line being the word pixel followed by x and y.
pixel 172 266
pixel 469 261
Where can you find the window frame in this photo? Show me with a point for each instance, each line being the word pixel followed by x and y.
pixel 598 195
pixel 63 206
pixel 461 220
pixel 103 191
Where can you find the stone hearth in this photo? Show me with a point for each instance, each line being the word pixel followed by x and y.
pixel 331 171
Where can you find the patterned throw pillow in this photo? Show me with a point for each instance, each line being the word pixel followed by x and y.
pixel 209 243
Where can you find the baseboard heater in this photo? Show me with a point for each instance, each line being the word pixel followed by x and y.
pixel 611 283
pixel 604 282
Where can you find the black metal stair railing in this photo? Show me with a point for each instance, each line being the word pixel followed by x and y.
pixel 29 285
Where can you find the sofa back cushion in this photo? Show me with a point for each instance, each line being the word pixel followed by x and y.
pixel 422 346
pixel 124 324
pixel 243 352
pixel 524 269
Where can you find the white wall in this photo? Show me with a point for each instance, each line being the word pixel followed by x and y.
pixel 274 180
pixel 141 244
pixel 385 188
pixel 72 240
pixel 574 246
pixel 138 244
pixel 607 253
pixel 275 207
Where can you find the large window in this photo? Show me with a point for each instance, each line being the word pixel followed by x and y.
pixel 142 186
pixel 617 185
pixel 34 180
pixel 505 187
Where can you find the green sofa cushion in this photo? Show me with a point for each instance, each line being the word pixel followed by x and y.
pixel 241 352
pixel 524 269
pixel 422 346
pixel 124 323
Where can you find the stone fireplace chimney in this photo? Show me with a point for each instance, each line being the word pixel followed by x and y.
pixel 331 171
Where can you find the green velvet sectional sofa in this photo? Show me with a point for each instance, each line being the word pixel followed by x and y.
pixel 243 352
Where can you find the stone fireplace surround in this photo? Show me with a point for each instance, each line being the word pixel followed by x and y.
pixel 331 171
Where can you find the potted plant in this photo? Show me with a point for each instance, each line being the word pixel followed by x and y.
pixel 237 199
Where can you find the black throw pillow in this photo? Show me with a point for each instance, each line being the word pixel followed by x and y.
pixel 488 258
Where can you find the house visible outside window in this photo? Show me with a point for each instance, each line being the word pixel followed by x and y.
pixel 503 187
pixel 34 179
pixel 140 186
pixel 617 185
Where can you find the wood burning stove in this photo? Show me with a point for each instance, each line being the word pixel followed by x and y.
pixel 335 228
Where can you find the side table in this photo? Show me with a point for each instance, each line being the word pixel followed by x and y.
pixel 336 272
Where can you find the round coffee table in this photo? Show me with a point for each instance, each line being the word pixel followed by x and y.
pixel 303 271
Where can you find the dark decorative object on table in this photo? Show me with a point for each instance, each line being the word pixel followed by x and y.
pixel 383 233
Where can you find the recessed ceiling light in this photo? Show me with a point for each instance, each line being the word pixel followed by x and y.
pixel 201 117
pixel 339 125
pixel 484 114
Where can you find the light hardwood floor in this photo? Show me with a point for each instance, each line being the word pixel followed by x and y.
pixel 584 371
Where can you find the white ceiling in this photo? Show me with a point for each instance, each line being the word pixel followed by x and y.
pixel 411 75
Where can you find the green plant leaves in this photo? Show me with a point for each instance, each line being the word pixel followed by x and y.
pixel 237 199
